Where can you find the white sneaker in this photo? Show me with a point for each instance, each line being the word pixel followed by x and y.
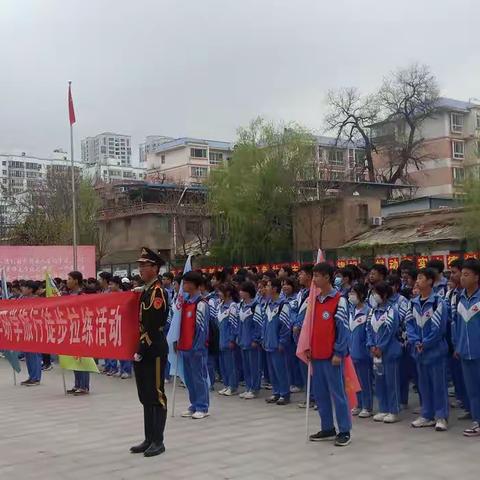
pixel 222 391
pixel 249 395
pixel 441 425
pixel 356 411
pixel 421 422
pixel 187 414
pixel 125 376
pixel 117 375
pixel 242 395
pixel 200 415
pixel 295 389
pixel 365 413
pixel 379 417
pixel 391 418
pixel 230 392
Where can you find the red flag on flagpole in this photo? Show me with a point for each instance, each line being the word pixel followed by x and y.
pixel 71 111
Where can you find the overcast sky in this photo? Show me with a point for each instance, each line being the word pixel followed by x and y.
pixel 204 67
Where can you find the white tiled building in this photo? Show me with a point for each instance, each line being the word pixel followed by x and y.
pixel 107 145
pixel 111 172
pixel 152 142
pixel 186 160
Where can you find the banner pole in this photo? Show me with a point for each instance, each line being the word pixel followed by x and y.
pixel 174 391
pixel 307 409
pixel 64 382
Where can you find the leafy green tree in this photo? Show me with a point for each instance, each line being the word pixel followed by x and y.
pixel 251 197
pixel 469 219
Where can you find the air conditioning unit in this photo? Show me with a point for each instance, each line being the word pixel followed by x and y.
pixel 376 221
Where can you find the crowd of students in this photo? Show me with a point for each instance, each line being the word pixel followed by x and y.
pixel 408 332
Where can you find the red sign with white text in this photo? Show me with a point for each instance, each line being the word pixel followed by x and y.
pixel 31 263
pixel 100 326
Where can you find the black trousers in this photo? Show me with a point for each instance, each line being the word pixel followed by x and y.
pixel 150 379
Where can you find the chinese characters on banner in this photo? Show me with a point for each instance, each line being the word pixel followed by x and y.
pixel 393 263
pixel 100 326
pixel 381 260
pixel 452 257
pixel 32 262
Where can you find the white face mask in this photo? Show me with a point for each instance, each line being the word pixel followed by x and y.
pixel 353 299
pixel 375 300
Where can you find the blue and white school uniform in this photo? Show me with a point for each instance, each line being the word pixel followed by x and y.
pixel 360 354
pixel 427 326
pixel 408 366
pixel 382 332
pixel 294 374
pixel 467 345
pixel 195 360
pixel 227 317
pixel 441 287
pixel 249 332
pixel 302 302
pixel 276 334
pixel 213 358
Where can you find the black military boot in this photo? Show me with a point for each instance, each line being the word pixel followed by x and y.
pixel 148 426
pixel 159 419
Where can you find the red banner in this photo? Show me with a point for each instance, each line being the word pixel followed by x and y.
pixel 31 263
pixel 452 257
pixel 100 326
pixel 393 263
pixel 381 261
pixel 422 261
pixel 470 255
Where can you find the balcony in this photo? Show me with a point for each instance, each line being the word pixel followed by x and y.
pixel 136 209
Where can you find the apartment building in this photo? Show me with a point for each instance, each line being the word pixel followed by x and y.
pixel 339 159
pixel 110 172
pixel 107 145
pixel 450 148
pixel 151 143
pixel 19 173
pixel 186 160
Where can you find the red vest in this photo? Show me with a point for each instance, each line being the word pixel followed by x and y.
pixel 187 326
pixel 323 334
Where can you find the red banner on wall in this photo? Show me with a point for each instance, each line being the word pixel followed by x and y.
pixel 393 263
pixel 100 326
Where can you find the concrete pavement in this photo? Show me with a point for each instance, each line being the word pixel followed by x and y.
pixel 45 435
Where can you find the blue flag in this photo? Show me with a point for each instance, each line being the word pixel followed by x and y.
pixel 174 330
pixel 12 357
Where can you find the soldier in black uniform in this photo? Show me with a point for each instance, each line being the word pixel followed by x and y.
pixel 151 357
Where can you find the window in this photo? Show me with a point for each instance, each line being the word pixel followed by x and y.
pixel 4 163
pixel 215 158
pixel 199 172
pixel 4 172
pixel 363 213
pixel 193 227
pixel 458 175
pixel 360 158
pixel 458 149
pixel 103 149
pixel 335 157
pixel 477 123
pixel 456 122
pixel 198 152
pixel 162 159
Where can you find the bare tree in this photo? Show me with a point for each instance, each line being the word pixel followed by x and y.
pixel 407 97
pixel 350 116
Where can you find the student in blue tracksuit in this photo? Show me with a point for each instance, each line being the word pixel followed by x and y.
pixel 249 339
pixel 382 340
pixel 440 284
pixel 192 345
pixel 32 359
pixel 305 276
pixel 467 339
pixel 427 318
pixel 276 339
pixel 452 298
pixel 377 274
pixel 347 276
pixel 362 360
pixel 262 300
pixel 328 349
pixel 289 289
pixel 227 317
pixel 408 368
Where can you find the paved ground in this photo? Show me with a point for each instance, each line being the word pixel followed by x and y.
pixel 44 435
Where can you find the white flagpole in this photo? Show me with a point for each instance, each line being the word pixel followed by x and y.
pixel 74 201
pixel 174 388
pixel 307 409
